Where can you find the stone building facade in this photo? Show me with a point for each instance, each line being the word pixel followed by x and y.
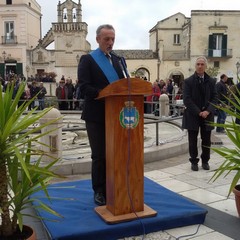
pixel 179 40
pixel 175 42
pixel 69 36
pixel 20 32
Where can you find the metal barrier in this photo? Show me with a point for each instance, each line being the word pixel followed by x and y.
pixel 148 119
pixel 156 121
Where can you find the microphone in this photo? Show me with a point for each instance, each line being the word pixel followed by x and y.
pixel 114 54
pixel 122 64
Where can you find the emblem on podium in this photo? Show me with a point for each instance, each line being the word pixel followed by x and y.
pixel 129 115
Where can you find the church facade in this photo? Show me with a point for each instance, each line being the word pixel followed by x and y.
pixel 175 43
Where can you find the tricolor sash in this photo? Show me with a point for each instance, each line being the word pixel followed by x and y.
pixel 107 68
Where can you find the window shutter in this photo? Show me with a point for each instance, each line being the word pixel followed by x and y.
pixel 210 46
pixel 19 68
pixel 224 46
pixel 2 67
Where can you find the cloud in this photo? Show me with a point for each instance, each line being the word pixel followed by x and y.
pixel 132 19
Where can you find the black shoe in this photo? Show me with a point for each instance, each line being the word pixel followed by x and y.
pixel 194 167
pixel 99 199
pixel 205 166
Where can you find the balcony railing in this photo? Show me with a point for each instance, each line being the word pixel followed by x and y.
pixel 67 27
pixel 7 39
pixel 218 53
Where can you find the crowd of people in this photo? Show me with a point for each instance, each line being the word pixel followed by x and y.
pixel 160 87
pixel 34 90
pixel 69 95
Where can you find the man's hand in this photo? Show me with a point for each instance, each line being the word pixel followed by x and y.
pixel 204 114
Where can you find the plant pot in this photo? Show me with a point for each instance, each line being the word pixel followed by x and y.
pixel 236 192
pixel 27 234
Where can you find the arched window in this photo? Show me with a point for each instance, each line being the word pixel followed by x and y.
pixel 142 73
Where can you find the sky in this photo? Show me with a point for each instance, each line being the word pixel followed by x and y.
pixel 132 19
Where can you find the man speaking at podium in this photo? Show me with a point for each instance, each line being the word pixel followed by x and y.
pixel 95 71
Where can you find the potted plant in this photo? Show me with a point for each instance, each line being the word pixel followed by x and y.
pixel 20 177
pixel 231 155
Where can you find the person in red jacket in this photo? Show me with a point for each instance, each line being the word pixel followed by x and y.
pixel 152 100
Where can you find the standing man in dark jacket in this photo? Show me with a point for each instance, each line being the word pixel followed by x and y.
pixel 71 90
pixel 62 95
pixel 199 96
pixel 95 71
pixel 34 90
pixel 222 92
pixel 41 96
pixel 237 120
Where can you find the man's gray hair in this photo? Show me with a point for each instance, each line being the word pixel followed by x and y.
pixel 202 58
pixel 107 26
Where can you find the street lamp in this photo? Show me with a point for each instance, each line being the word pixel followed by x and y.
pixel 27 70
pixel 237 66
pixel 4 54
pixel 77 58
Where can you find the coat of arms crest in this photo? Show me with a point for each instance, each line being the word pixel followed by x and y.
pixel 129 115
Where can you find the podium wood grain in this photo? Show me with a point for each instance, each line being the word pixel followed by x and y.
pixel 124 152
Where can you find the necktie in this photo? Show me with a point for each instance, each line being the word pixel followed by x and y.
pixel 201 79
pixel 109 58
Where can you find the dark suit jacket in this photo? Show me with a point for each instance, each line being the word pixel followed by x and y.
pixel 91 81
pixel 196 98
pixel 222 91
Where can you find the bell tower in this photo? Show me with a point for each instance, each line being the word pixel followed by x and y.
pixel 69 34
pixel 69 11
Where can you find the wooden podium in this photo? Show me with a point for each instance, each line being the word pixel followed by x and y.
pixel 124 107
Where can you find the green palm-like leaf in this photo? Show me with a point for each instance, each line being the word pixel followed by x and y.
pixel 20 176
pixel 231 155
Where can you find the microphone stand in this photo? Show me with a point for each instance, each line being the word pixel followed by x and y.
pixel 123 66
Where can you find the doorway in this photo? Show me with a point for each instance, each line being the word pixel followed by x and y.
pixel 10 68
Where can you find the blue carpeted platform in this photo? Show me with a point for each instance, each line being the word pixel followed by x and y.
pixel 82 222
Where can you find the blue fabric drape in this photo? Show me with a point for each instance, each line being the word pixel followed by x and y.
pixel 107 68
